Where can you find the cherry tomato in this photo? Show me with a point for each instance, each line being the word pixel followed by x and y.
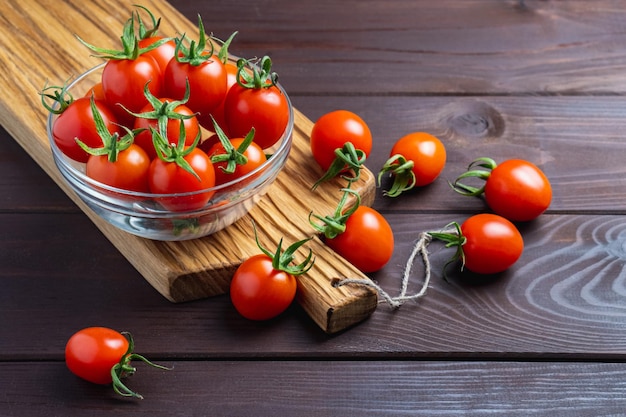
pixel 253 153
pixel 493 244
pixel 333 130
pixel 91 353
pixel 76 121
pixel 218 113
pixel 260 292
pixel 425 152
pixel 123 82
pixel 162 54
pixel 128 172
pixel 265 109
pixel 207 83
pixel 518 190
pixel 96 91
pixel 170 178
pixel 367 241
pixel 144 139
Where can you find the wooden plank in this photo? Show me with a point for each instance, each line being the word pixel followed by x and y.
pixel 363 388
pixel 180 271
pixel 458 46
pixel 564 299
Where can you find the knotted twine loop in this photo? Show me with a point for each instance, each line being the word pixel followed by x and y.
pixel 421 248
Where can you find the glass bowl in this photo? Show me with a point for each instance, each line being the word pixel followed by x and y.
pixel 140 213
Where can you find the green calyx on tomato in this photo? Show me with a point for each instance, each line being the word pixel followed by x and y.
pixel 256 76
pixel 130 44
pixel 194 54
pixel 143 31
pixel 347 158
pixel 283 260
pixel 485 243
pixel 59 96
pixel 124 369
pixel 175 152
pixel 164 111
pixel 402 171
pixel 452 239
pixel 334 225
pixel 515 188
pixel 483 174
pixel 232 156
pixel 224 45
pixel 113 144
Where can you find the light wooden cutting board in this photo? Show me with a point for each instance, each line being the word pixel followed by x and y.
pixel 38 45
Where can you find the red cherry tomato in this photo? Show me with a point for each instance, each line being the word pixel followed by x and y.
pixel 333 130
pixel 260 292
pixel 170 178
pixel 128 172
pixel 218 113
pixel 76 121
pixel 427 153
pixel 265 109
pixel 91 353
pixel 493 244
pixel 253 153
pixel 123 82
pixel 367 241
pixel 207 83
pixel 518 190
pixel 162 54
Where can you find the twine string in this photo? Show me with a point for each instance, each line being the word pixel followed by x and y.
pixel 421 248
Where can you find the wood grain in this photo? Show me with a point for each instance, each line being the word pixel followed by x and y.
pixel 417 47
pixel 189 270
pixel 302 388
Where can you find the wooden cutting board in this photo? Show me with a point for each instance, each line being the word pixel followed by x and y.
pixel 42 34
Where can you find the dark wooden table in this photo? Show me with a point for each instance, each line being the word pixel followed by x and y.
pixel 540 80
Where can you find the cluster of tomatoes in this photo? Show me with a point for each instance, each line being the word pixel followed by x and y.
pixel 143 128
pixel 140 129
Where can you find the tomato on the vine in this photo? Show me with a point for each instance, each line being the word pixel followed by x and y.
pixel 264 285
pixel 486 243
pixel 516 189
pixel 103 356
pixel 256 102
pixel 333 130
pixel 415 160
pixel 359 234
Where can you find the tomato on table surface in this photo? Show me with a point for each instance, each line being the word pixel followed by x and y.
pixel 486 243
pixel 415 160
pixel 264 285
pixel 103 356
pixel 516 189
